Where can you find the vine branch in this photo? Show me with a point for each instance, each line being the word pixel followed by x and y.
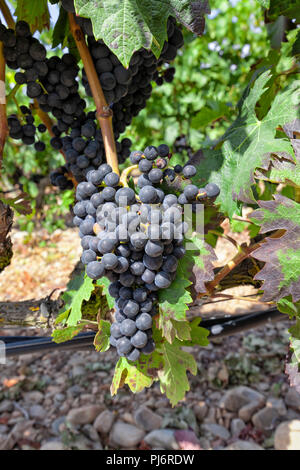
pixel 7 14
pixel 237 259
pixel 103 111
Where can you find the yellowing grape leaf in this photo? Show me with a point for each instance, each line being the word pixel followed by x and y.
pixel 281 273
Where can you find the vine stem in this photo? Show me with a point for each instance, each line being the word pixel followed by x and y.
pixel 126 173
pixel 103 112
pixel 7 14
pixel 237 259
pixel 3 118
pixel 45 118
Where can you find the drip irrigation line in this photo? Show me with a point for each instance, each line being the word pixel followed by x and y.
pixel 218 327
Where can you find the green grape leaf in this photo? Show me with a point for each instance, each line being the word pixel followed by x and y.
pixel 173 304
pixel 35 13
pixel 246 144
pixel 198 334
pixel 20 203
pixel 296 45
pixel 65 334
pixel 281 273
pixel 173 376
pixel 101 341
pixel 137 375
pixel 281 167
pixel 264 3
pixel 79 289
pixel 104 282
pixel 286 305
pixel 61 29
pixel 291 9
pixel 198 262
pixel 295 329
pixel 128 25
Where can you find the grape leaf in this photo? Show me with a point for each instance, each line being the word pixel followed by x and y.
pixel 104 282
pixel 35 13
pixel 65 334
pixel 20 203
pixel 173 304
pixel 198 334
pixel 137 375
pixel 246 144
pixel 101 341
pixel 61 29
pixel 264 3
pixel 128 25
pixel 198 261
pixel 173 378
pixel 291 9
pixel 286 305
pixel 281 273
pixel 78 290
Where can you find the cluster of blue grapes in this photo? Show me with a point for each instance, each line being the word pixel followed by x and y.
pixel 25 129
pixel 135 240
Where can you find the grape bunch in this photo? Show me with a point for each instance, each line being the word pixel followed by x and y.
pixel 134 240
pixel 25 129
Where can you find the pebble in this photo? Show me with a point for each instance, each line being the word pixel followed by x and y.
pixel 37 412
pixel 57 424
pixel 104 422
pixel 78 371
pixel 243 445
pixel 125 435
pixel 292 399
pixel 277 404
pixel 84 415
pixel 236 426
pixel 53 445
pixel 287 435
pixel 147 419
pixel 215 430
pixel 243 399
pixel 6 405
pixel 265 419
pixel 200 410
pixel 164 438
pixel 33 397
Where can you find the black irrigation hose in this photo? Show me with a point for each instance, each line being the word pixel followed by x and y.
pixel 218 327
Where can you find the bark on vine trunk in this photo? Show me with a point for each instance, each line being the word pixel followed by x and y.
pixel 6 220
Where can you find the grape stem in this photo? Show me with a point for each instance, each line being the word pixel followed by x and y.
pixel 7 14
pixel 103 112
pixel 3 118
pixel 237 259
pixel 125 174
pixel 44 117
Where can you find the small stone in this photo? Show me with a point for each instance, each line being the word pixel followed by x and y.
pixel 277 404
pixel 37 412
pixel 243 445
pixel 90 432
pixel 33 397
pixel 164 438
pixel 74 391
pixel 104 421
pixel 83 415
pixel 59 397
pixel 6 405
pixel 53 445
pixel 265 419
pixel 287 435
pixel 215 430
pixel 125 435
pixel 292 399
pixel 244 400
pixel 78 371
pixel 147 419
pixel 200 410
pixel 236 426
pixel 57 424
